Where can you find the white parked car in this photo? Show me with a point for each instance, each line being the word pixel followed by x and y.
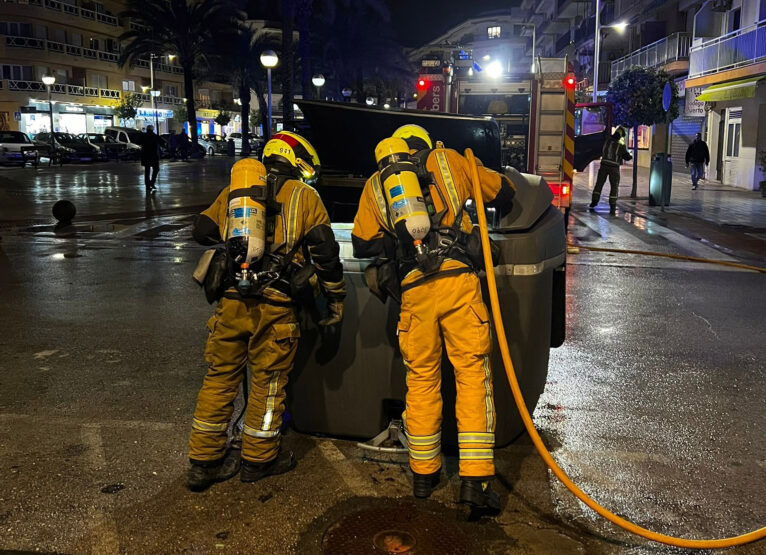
pixel 17 148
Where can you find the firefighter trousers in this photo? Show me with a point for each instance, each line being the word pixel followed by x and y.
pixel 613 173
pixel 449 309
pixel 244 333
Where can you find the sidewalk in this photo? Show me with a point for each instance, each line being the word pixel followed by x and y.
pixel 713 202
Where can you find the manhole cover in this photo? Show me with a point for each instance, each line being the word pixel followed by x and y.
pixel 398 529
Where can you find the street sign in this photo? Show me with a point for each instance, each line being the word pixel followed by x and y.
pixel 694 108
pixel 17 116
pixel 667 96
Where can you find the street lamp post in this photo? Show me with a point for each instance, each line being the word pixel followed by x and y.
pixel 621 26
pixel 49 80
pixel 269 60
pixel 318 81
pixel 151 89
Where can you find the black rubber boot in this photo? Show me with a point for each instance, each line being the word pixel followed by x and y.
pixel 477 494
pixel 423 484
pixel 252 472
pixel 202 475
pixel 612 210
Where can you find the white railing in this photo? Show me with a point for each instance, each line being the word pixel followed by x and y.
pixel 74 50
pixel 109 93
pixel 91 91
pixel 77 11
pixel 59 88
pixel 738 48
pixel 90 53
pixel 25 42
pixel 669 49
pixel 56 46
pixel 107 56
pixel 17 85
pixel 165 68
pixel 77 90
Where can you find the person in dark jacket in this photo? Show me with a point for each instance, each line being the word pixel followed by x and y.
pixel 697 157
pixel 183 146
pixel 150 157
pixel 613 154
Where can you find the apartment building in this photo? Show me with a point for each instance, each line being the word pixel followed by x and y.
pixel 727 71
pixel 701 43
pixel 77 42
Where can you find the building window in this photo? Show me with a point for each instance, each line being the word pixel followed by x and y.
pixel 128 85
pixel 493 32
pixel 733 132
pixel 17 73
pixel 14 29
pixel 97 80
pixel 94 44
pixel 171 90
pixel 735 20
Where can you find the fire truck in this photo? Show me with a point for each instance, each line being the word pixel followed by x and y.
pixel 541 127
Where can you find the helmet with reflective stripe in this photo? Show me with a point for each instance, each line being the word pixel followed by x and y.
pixel 291 153
pixel 416 137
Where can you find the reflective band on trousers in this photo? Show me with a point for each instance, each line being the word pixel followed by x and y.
pixel 424 440
pixel 208 426
pixel 475 437
pixel 425 455
pixel 489 405
pixel 273 389
pixel 475 454
pixel 252 432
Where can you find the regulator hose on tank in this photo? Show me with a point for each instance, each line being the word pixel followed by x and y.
pixel 530 427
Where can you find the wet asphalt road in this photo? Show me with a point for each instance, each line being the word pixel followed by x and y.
pixel 654 404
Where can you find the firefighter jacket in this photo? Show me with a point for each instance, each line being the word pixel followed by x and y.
pixel 301 227
pixel 614 152
pixel 450 187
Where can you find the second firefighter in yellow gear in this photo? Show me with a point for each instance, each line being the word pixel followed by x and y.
pixel 441 304
pixel 256 327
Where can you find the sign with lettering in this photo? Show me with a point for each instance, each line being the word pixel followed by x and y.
pixel 694 108
pixel 433 98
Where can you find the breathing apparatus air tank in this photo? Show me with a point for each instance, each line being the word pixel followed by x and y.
pixel 246 220
pixel 399 178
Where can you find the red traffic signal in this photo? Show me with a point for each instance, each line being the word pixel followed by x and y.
pixel 569 82
pixel 422 84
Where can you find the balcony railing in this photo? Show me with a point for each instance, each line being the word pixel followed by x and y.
pixel 669 49
pixel 739 48
pixel 32 86
pixel 77 11
pixel 76 90
pixel 109 93
pixel 25 42
pixel 165 68
pixel 91 91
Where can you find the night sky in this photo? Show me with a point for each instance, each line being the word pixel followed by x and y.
pixel 416 22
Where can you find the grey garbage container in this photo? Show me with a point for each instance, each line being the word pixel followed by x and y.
pixel 660 180
pixel 351 384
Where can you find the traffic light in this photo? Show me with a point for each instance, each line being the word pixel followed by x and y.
pixel 569 81
pixel 422 84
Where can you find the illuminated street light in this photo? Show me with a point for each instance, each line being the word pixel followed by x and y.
pixel 386 105
pixel 171 57
pixel 318 81
pixel 486 57
pixel 621 26
pixel 370 101
pixel 495 69
pixel 49 80
pixel 269 59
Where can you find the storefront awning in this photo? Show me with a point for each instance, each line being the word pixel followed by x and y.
pixel 733 90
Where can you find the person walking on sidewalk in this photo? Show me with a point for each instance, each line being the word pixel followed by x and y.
pixel 697 157
pixel 612 155
pixel 150 158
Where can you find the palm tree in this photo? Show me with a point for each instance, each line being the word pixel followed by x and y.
pixel 187 28
pixel 238 62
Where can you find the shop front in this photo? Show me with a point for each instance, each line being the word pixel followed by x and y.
pixel 156 117
pixel 67 118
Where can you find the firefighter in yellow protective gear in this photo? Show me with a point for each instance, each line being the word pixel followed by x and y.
pixel 440 299
pixel 255 324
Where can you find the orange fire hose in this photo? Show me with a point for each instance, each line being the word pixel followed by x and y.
pixel 529 425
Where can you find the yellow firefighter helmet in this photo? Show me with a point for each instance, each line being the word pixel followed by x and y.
pixel 291 151
pixel 411 131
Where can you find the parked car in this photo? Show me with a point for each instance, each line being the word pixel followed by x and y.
pixel 111 147
pixel 213 144
pixel 199 152
pixel 125 135
pixel 17 148
pixel 256 143
pixel 69 147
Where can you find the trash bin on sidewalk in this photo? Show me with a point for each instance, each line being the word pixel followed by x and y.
pixel 351 385
pixel 660 180
pixel 230 147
